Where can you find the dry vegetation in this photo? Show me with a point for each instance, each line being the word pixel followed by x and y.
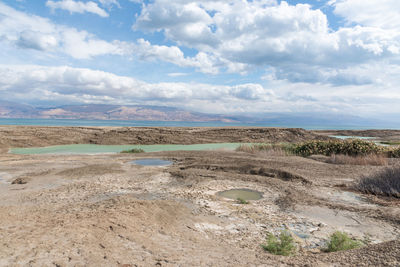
pixel 385 183
pixel 370 159
pixel 277 150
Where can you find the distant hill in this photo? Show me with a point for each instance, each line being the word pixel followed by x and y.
pixel 307 120
pixel 107 112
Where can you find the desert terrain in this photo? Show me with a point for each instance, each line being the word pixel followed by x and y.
pixel 102 210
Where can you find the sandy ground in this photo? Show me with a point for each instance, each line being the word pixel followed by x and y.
pixel 101 210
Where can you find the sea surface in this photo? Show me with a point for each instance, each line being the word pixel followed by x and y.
pixel 120 123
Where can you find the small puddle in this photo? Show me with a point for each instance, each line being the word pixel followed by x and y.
pixel 246 194
pixel 152 162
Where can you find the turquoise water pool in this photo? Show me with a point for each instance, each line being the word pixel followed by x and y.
pixel 100 149
pixel 352 137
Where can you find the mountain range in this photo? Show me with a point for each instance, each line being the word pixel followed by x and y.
pixel 107 112
pixel 160 113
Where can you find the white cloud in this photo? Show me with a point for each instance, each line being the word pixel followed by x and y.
pixel 77 7
pixel 177 74
pixel 62 85
pixel 33 32
pixel 109 3
pixel 242 35
pixel 372 13
pixel 42 83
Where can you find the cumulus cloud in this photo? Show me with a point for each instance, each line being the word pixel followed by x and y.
pixel 173 54
pixel 243 35
pixel 65 84
pixel 372 13
pixel 81 84
pixel 77 7
pixel 33 32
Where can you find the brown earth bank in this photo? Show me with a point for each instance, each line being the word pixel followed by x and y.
pixel 35 136
pixel 102 210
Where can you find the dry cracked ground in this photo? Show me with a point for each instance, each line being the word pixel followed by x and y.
pixel 102 210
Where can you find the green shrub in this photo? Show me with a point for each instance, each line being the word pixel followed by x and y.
pixel 341 241
pixel 242 200
pixel 280 245
pixel 346 147
pixel 352 147
pixel 133 150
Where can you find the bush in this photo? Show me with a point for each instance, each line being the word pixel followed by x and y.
pixel 341 241
pixel 280 245
pixel 371 159
pixel 347 147
pixel 133 150
pixel 394 152
pixel 242 200
pixel 352 147
pixel 385 183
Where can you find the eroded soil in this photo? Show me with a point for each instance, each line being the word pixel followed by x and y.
pixel 101 210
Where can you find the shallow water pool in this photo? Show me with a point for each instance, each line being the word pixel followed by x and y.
pixel 99 149
pixel 352 137
pixel 152 162
pixel 246 194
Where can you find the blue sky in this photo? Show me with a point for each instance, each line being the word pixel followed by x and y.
pixel 221 56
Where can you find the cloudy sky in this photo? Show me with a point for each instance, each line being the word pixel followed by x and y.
pixel 216 56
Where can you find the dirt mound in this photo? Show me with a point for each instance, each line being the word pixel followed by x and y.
pixel 35 136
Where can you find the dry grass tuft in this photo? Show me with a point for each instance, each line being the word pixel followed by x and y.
pixel 268 150
pixel 385 183
pixel 370 159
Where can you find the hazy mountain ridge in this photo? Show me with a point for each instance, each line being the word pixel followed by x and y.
pixel 162 113
pixel 107 112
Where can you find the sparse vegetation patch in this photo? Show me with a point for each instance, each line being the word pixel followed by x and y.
pixel 347 147
pixel 242 200
pixel 133 150
pixel 341 241
pixel 280 245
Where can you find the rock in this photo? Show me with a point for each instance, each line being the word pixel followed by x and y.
pixel 21 180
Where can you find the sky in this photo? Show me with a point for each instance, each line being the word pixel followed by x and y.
pixel 213 56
